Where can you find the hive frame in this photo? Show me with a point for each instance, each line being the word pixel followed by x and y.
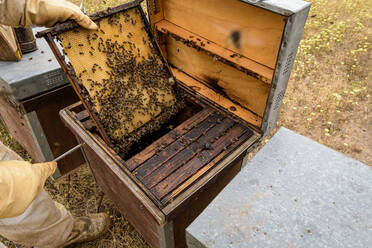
pixel 50 36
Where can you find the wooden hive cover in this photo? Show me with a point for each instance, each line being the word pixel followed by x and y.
pixel 236 53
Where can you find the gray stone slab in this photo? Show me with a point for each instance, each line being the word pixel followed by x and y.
pixel 37 72
pixel 293 193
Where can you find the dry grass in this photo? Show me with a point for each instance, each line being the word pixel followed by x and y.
pixel 328 100
pixel 329 93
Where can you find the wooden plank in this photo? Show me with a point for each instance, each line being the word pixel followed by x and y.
pixel 9 48
pixel 170 137
pixel 236 85
pixel 155 10
pixel 181 143
pixel 217 98
pixel 89 125
pixel 192 166
pixel 201 172
pixel 254 32
pixel 187 154
pixel 181 202
pixel 238 61
pixel 12 114
pixel 81 116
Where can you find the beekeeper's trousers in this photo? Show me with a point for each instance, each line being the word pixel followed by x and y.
pixel 45 223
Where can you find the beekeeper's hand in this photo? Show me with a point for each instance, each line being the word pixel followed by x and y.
pixel 20 183
pixel 41 13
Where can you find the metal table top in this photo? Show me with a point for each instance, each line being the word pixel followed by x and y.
pixel 36 73
pixel 294 193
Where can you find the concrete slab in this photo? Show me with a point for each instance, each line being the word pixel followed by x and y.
pixel 294 193
pixel 37 72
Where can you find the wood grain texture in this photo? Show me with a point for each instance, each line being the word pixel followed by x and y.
pixel 220 148
pixel 181 202
pixel 175 148
pixel 188 153
pixel 245 29
pixel 217 98
pixel 245 134
pixel 246 90
pixel 167 139
pixel 262 72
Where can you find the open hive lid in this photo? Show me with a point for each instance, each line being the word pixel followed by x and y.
pixel 119 73
pixel 237 54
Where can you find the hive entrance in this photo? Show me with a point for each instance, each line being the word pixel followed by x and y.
pixel 122 76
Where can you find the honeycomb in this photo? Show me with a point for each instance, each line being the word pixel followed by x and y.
pixel 123 75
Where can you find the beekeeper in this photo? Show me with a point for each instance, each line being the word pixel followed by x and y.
pixel 28 216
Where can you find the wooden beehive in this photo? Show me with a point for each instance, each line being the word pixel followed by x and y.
pixel 231 60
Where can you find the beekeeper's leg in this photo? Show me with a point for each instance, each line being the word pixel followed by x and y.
pixel 45 223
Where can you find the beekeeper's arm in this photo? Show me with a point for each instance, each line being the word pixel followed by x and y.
pixel 41 13
pixel 20 183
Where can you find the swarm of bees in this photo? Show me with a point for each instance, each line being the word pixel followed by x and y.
pixel 124 77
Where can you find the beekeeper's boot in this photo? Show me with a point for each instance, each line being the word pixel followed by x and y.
pixel 88 228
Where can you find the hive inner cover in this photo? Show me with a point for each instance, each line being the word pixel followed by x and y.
pixel 122 74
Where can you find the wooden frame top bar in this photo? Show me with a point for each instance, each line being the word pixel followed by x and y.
pixel 69 25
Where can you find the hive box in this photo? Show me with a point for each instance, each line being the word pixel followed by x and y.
pixel 232 61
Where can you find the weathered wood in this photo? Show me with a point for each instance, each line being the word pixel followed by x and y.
pixel 220 148
pixel 243 28
pixel 83 115
pixel 9 48
pixel 212 160
pixel 89 125
pixel 133 203
pixel 13 116
pixel 188 153
pixel 217 98
pixel 224 55
pixel 182 200
pixel 58 136
pixel 179 145
pixel 119 183
pixel 167 139
pixel 244 89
